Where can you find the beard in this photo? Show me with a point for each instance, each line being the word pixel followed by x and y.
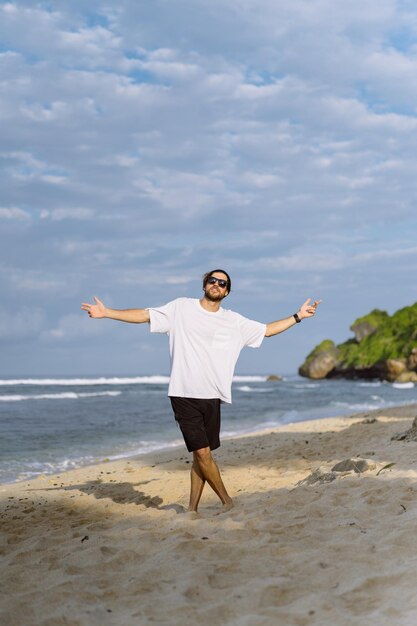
pixel 216 296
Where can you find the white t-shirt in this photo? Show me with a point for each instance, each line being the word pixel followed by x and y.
pixel 204 346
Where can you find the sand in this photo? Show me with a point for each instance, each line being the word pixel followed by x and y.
pixel 108 545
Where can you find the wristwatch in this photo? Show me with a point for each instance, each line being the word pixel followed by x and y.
pixel 297 319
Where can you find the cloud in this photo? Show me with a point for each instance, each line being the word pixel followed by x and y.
pixel 76 213
pixel 72 327
pixel 143 143
pixel 380 255
pixel 13 213
pixel 33 283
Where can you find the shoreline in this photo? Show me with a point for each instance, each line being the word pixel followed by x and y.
pixel 107 544
pixel 172 447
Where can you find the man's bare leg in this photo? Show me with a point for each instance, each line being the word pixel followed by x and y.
pixel 197 486
pixel 210 472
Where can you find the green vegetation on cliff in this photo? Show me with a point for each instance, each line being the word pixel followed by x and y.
pixel 375 318
pixel 384 346
pixel 325 346
pixel 394 338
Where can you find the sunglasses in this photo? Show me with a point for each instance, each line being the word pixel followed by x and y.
pixel 212 280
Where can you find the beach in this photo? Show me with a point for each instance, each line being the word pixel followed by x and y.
pixel 109 544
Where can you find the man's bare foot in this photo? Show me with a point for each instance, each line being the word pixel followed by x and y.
pixel 227 506
pixel 191 514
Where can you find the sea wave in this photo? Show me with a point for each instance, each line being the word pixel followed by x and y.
pixel 306 386
pixel 115 380
pixel 67 395
pixel 249 379
pixel 253 429
pixel 409 385
pixel 254 389
pixel 358 406
pixel 15 471
pixel 145 447
pixel 377 383
pixel 78 382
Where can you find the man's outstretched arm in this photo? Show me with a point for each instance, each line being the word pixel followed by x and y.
pixel 306 310
pixel 99 311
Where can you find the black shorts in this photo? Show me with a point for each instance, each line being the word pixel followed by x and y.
pixel 199 420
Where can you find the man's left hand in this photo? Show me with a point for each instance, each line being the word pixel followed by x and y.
pixel 308 308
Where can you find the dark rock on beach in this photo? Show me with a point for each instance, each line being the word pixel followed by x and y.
pixel 408 435
pixel 348 466
pixel 318 476
pixel 354 465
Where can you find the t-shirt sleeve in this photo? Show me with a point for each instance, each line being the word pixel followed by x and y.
pixel 252 332
pixel 162 317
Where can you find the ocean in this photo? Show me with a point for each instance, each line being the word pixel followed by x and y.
pixel 49 425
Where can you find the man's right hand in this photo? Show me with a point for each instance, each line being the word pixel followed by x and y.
pixel 97 310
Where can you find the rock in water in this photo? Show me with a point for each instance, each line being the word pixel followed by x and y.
pixel 412 360
pixel 407 377
pixel 384 347
pixel 394 368
pixel 321 361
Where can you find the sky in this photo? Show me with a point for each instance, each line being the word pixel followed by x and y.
pixel 143 143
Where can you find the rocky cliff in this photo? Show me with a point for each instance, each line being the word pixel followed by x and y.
pixel 383 347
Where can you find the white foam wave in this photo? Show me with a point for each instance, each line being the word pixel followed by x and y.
pixel 254 389
pixel 365 406
pixel 145 447
pixel 403 385
pixel 115 380
pixel 68 395
pixel 77 382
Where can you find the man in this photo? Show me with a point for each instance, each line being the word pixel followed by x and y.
pixel 205 341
